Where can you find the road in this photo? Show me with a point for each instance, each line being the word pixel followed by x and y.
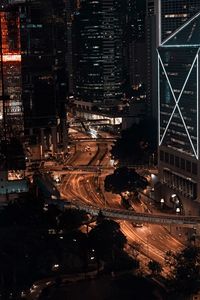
pixel 153 240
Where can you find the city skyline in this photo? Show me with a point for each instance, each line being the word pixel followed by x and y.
pixel 99 149
pixel 44 85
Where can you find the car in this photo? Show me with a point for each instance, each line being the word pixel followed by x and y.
pixel 67 168
pixel 137 224
pixel 131 208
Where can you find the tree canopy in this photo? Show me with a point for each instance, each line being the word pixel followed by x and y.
pixel 124 179
pixel 137 143
pixel 155 267
pixel 34 237
pixel 105 237
pixel 72 219
pixel 185 270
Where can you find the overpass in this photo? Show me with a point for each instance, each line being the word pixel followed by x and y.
pixel 160 219
pixel 122 214
pixel 53 197
pixel 98 140
pixel 93 168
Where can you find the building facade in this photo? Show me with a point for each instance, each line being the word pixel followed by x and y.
pixel 135 41
pixel 174 13
pixel 151 58
pixel 43 36
pixel 34 62
pixel 98 53
pixel 12 156
pixel 162 19
pixel 11 111
pixel 178 104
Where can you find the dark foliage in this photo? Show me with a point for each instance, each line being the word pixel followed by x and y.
pixel 33 240
pixel 186 270
pixel 105 238
pixel 72 219
pixel 155 267
pixel 137 143
pixel 124 179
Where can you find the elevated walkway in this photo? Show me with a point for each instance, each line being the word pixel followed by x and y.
pixel 98 140
pixel 122 214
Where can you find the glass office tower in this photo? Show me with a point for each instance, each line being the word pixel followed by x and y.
pixel 43 32
pixel 174 13
pixel 98 53
pixel 11 112
pixel 178 104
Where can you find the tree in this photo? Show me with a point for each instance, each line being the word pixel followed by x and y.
pixel 100 217
pixel 72 219
pixel 28 244
pixel 185 270
pixel 106 238
pixel 51 217
pixel 155 267
pixel 137 143
pixel 124 179
pixel 170 258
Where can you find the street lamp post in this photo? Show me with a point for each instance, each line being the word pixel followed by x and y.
pixel 162 201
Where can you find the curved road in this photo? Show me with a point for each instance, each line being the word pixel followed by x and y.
pixel 152 240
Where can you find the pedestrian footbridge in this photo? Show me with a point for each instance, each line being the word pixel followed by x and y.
pixel 98 140
pixel 161 219
pixel 122 214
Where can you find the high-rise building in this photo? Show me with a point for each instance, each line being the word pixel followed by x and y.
pixel 71 6
pixel 11 112
pixel 151 56
pixel 178 102
pixel 98 53
pixel 162 18
pixel 134 43
pixel 44 84
pixel 174 13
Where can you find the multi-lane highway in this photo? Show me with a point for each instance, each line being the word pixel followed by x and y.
pixel 83 183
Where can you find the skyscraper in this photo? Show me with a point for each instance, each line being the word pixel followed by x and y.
pixel 98 53
pixel 134 43
pixel 178 103
pixel 162 19
pixel 174 13
pixel 44 83
pixel 151 45
pixel 11 112
pixel 71 6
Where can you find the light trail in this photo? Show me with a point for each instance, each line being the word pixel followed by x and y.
pixel 152 239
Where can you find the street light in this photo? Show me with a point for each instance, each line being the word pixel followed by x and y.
pixel 162 201
pixel 55 267
pixel 177 201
